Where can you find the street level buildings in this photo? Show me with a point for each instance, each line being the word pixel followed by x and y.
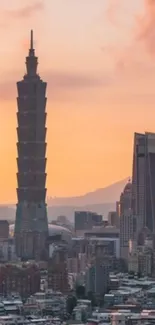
pixel 57 270
pixel 31 227
pixel 21 278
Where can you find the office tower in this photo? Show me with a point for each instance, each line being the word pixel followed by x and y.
pixel 127 221
pixel 97 277
pixel 31 227
pixel 113 219
pixel 4 230
pixel 143 180
pixel 86 220
pixel 118 208
pixel 141 261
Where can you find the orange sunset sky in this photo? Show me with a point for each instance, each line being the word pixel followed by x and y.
pixel 98 58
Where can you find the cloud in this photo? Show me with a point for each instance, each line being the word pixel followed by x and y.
pixel 143 30
pixel 7 90
pixel 58 84
pixel 75 80
pixel 146 26
pixel 112 12
pixel 134 55
pixel 8 16
pixel 26 11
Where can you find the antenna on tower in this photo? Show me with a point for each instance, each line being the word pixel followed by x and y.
pixel 31 40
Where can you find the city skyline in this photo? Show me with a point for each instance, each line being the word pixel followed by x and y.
pixel 99 92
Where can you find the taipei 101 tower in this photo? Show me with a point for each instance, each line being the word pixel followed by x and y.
pixel 31 226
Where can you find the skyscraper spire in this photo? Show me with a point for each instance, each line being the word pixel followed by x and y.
pixel 31 50
pixel 31 41
pixel 31 60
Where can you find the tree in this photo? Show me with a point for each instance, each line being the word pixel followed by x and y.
pixel 91 297
pixel 71 304
pixel 139 275
pixel 80 291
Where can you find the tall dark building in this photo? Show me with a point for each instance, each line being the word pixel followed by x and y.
pixel 85 220
pixel 31 226
pixel 127 221
pixel 4 230
pixel 143 180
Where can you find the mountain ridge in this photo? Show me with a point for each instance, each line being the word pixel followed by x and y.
pixel 100 201
pixel 108 194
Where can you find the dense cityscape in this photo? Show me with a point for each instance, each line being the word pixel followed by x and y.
pixel 96 271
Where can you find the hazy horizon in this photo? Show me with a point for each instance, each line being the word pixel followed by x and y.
pixel 49 198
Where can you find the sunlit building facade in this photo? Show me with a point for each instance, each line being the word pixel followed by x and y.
pixel 127 221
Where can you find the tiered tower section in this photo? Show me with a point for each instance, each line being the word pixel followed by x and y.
pixel 31 227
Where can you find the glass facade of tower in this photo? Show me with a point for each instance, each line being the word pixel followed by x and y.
pixel 31 226
pixel 127 221
pixel 143 180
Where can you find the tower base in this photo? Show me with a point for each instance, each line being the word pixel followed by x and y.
pixel 31 231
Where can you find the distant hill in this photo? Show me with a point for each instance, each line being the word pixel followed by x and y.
pixel 108 194
pixel 100 201
pixel 7 212
pixel 68 211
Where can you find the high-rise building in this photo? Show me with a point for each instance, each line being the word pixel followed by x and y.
pixel 4 230
pixel 141 261
pixel 86 220
pixel 127 221
pixel 113 219
pixel 31 227
pixel 143 180
pixel 97 277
